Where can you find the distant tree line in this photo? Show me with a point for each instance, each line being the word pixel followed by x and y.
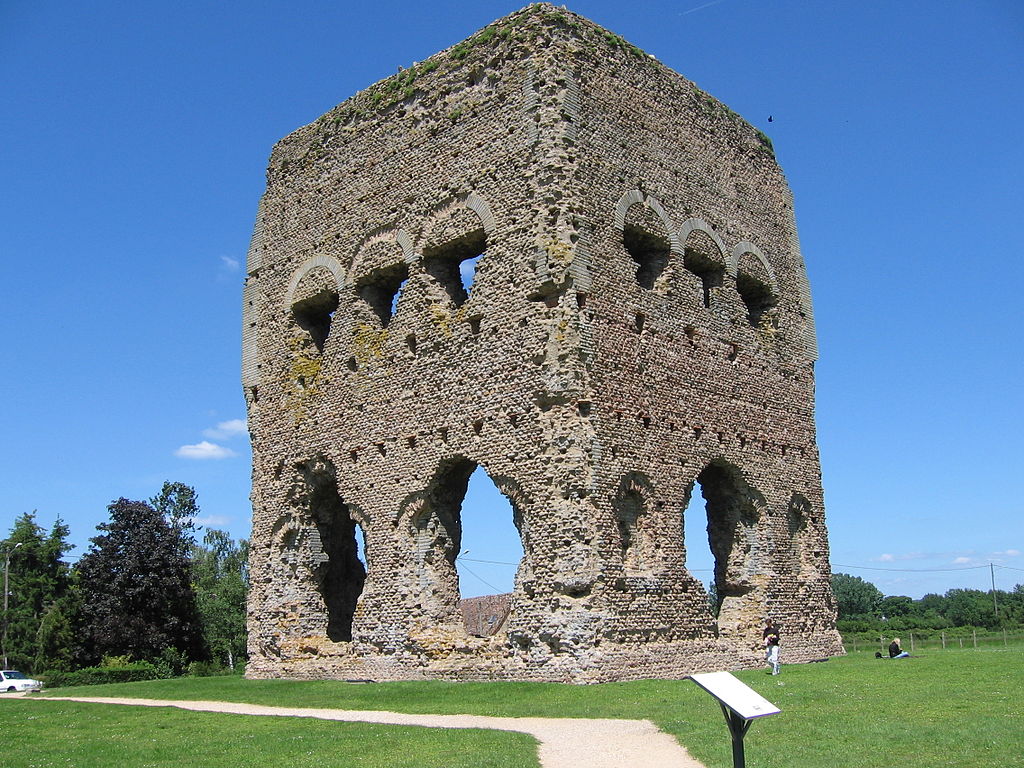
pixel 862 607
pixel 147 591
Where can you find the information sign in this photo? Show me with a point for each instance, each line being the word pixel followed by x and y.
pixel 740 705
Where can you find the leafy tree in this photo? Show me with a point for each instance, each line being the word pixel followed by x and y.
pixel 136 595
pixel 220 576
pixel 854 596
pixel 896 605
pixel 38 576
pixel 179 506
pixel 969 608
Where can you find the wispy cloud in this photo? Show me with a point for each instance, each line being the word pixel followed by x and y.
pixel 225 430
pixel 204 450
pixel 211 521
pixel 229 264
pixel 888 557
pixel 701 7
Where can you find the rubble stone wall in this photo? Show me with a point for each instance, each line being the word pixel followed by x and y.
pixel 638 329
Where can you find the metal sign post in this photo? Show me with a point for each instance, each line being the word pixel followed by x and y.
pixel 740 705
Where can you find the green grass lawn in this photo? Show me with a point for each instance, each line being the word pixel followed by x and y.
pixel 944 708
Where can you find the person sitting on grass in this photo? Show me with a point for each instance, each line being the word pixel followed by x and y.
pixel 895 652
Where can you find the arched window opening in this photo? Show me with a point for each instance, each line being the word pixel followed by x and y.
pixel 758 298
pixel 709 272
pixel 700 561
pixel 382 288
pixel 797 522
pixel 631 506
pixel 732 510
pixel 444 264
pixel 339 568
pixel 469 545
pixel 314 315
pixel 650 252
pixel 703 258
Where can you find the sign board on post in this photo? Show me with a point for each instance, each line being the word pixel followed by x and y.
pixel 740 704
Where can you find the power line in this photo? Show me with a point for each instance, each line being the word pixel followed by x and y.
pixel 481 578
pixel 489 562
pixel 914 570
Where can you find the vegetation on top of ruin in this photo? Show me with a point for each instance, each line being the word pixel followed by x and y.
pixel 517 29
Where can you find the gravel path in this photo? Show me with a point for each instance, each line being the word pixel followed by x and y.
pixel 564 742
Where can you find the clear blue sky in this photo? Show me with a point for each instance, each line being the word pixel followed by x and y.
pixel 134 138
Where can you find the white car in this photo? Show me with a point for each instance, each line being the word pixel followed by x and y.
pixel 12 680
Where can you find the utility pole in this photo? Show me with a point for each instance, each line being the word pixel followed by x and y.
pixel 995 601
pixel 7 567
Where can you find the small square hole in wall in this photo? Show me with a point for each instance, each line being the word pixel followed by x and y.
pixel 410 342
pixel 381 449
pixel 411 441
pixel 351 364
pixel 697 432
pixel 513 419
pixel 581 300
pixel 443 432
pixel 353 455
pixel 474 324
pixel 584 407
pixel 646 421
pixel 478 426
pixel 638 322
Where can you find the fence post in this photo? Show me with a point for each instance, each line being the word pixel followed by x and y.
pixel 943 640
pixel 1004 636
pixel 961 641
pixel 974 634
pixel 911 642
pixel 855 645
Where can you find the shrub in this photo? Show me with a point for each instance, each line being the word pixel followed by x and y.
pixel 127 673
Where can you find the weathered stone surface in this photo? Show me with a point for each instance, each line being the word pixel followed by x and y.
pixel 639 323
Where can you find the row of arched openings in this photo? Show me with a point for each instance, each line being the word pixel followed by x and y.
pixel 467 533
pixel 386 262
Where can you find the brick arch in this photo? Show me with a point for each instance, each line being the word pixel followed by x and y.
pixel 382 235
pixel 744 248
pixel 458 230
pixel 692 225
pixel 470 201
pixel 330 263
pixel 379 270
pixel 651 250
pixel 709 267
pixel 756 286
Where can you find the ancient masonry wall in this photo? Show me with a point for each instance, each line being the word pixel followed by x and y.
pixel 639 329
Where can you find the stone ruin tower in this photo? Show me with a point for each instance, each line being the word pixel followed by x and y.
pixel 639 329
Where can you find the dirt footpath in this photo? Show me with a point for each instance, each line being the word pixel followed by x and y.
pixel 564 743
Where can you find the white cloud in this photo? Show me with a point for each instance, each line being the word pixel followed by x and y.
pixel 204 450
pixel 211 521
pixel 225 430
pixel 231 265
pixel 1010 553
pixel 962 560
pixel 891 558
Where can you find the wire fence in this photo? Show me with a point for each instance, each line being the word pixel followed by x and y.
pixel 918 640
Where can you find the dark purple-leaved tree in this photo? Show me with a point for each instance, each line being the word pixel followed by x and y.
pixel 136 594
